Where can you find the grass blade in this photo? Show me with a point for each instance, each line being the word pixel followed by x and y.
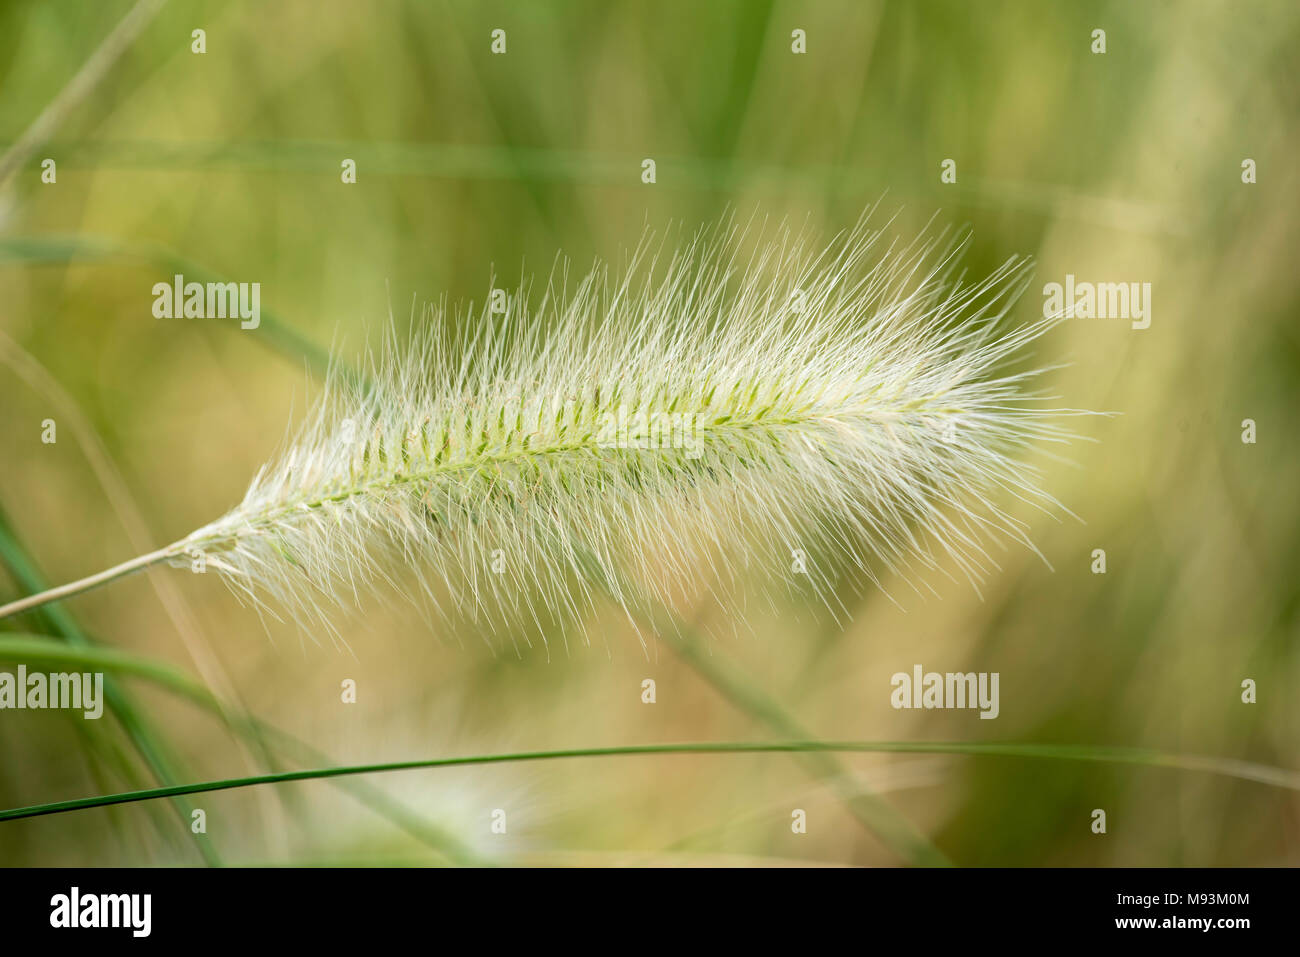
pixel 1225 767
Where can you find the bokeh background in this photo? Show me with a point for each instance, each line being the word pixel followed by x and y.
pixel 1124 166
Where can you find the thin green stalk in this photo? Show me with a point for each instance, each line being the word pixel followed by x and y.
pixel 29 602
pixel 1242 770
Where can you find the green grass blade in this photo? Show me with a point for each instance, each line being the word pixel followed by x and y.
pixel 1226 767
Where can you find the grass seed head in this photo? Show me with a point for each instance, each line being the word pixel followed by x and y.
pixel 730 402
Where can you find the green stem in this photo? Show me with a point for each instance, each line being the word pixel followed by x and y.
pixel 1243 770
pixel 29 602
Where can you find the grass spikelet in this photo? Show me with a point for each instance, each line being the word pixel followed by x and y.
pixel 713 407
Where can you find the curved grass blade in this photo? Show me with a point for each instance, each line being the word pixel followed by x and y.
pixel 1225 767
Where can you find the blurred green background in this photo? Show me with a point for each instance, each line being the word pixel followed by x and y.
pixel 1122 166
